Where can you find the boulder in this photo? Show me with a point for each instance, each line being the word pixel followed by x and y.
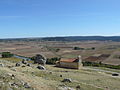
pixel 12 78
pixel 11 75
pixel 10 66
pixel 29 64
pixel 24 61
pixel 115 74
pixel 67 80
pixel 17 64
pixel 23 66
pixel 26 85
pixel 41 67
pixel 60 75
pixel 65 88
pixel 1 65
pixel 13 85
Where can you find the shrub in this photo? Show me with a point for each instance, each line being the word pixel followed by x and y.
pixel 57 50
pixel 6 54
pixel 32 58
pixel 93 48
pixel 78 48
pixel 52 60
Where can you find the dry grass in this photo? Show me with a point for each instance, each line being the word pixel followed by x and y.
pixel 50 79
pixel 12 59
pixel 89 77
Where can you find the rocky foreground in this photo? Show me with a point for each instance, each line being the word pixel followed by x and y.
pixel 20 76
pixel 27 76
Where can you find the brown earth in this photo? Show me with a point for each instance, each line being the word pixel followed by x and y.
pixel 47 48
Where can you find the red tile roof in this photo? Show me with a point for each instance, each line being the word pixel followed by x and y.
pixel 67 60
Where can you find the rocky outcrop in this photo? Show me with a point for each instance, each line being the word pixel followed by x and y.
pixel 40 59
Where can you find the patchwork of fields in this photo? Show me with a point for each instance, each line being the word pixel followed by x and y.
pixel 64 49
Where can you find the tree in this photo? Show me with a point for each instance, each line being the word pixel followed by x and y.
pixel 52 60
pixel 6 54
pixel 93 48
pixel 78 48
pixel 57 50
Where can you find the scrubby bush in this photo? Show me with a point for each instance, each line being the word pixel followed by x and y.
pixel 6 54
pixel 93 48
pixel 57 50
pixel 32 58
pixel 52 60
pixel 78 48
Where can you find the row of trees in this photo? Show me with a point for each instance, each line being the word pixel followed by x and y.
pixel 100 64
pixel 78 48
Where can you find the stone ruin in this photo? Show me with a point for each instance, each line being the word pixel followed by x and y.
pixel 40 59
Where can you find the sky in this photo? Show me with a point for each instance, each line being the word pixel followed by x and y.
pixel 46 18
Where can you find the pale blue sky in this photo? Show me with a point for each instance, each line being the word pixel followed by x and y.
pixel 40 18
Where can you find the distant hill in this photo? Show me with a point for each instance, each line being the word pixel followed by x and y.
pixel 68 38
pixel 83 38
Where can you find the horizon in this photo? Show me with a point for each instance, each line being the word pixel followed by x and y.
pixel 51 18
pixel 57 36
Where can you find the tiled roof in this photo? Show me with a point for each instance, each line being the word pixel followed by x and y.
pixel 68 60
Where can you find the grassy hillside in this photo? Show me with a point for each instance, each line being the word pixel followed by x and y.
pixel 51 78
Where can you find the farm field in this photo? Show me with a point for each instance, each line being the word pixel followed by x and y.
pixel 64 49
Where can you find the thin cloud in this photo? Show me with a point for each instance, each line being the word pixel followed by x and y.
pixel 114 34
pixel 11 17
pixel 81 15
